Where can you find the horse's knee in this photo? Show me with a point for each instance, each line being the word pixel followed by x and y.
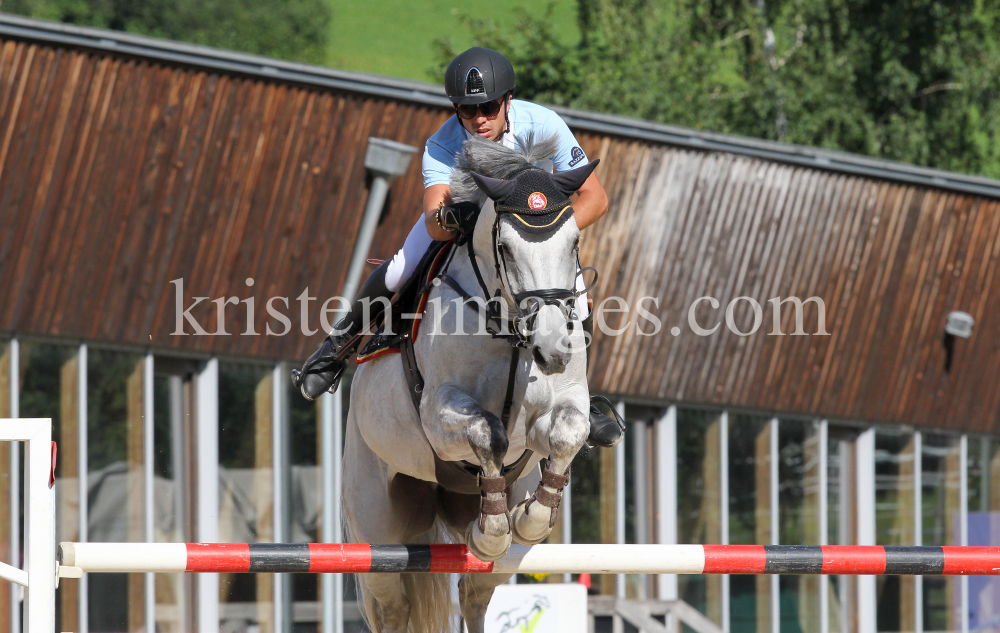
pixel 488 439
pixel 567 434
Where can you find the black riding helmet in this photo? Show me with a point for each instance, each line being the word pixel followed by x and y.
pixel 478 75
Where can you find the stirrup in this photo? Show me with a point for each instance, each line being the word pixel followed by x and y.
pixel 321 372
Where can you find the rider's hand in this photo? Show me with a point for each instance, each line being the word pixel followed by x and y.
pixel 459 217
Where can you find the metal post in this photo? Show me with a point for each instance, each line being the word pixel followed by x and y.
pixel 617 625
pixel 15 485
pixel 385 160
pixel 666 493
pixel 865 450
pixel 844 477
pixel 278 466
pixel 639 466
pixel 724 507
pixel 775 523
pixel 207 420
pixel 918 532
pixel 332 584
pixel 177 431
pixel 326 521
pixel 963 525
pixel 338 468
pixel 566 510
pixel 83 480
pixel 149 593
pixel 823 429
pixel 620 499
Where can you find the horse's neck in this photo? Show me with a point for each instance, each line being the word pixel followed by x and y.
pixel 461 271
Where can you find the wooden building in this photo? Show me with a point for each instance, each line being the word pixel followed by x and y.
pixel 127 163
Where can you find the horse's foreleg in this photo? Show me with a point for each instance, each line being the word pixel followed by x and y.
pixel 535 517
pixel 489 537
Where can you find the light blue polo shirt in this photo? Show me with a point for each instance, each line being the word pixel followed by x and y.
pixel 442 148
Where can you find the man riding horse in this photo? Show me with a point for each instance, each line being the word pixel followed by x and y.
pixel 480 83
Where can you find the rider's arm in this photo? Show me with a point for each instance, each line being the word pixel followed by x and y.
pixel 434 197
pixel 591 202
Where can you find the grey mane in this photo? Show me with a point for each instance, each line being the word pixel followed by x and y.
pixel 488 158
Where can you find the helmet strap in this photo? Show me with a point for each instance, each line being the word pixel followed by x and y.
pixel 506 115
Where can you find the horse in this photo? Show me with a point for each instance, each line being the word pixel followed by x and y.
pixel 401 465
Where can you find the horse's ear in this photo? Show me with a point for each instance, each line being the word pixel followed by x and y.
pixel 569 182
pixel 495 188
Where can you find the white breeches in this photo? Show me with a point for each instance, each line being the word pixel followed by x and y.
pixel 417 242
pixel 405 261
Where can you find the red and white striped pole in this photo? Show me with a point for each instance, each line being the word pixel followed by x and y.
pixel 554 559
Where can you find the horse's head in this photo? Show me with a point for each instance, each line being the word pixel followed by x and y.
pixel 534 239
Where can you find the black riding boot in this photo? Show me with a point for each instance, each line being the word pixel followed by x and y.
pixel 322 371
pixel 604 430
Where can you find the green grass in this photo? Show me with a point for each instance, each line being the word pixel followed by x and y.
pixel 396 37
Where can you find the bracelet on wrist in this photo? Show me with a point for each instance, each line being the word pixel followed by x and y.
pixel 437 218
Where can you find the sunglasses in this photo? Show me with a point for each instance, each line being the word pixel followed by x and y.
pixel 489 109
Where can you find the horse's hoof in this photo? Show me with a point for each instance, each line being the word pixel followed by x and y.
pixel 485 547
pixel 523 523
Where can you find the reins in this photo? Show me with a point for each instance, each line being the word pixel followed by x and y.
pixel 515 330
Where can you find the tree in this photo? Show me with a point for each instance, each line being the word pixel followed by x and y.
pixel 909 80
pixel 287 29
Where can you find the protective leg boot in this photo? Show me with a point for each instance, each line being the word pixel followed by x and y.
pixel 604 430
pixel 322 371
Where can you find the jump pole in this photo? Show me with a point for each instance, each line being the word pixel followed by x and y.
pixel 336 558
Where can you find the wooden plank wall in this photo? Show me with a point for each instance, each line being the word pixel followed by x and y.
pixel 888 260
pixel 118 175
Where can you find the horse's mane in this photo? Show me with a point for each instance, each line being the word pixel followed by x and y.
pixel 488 158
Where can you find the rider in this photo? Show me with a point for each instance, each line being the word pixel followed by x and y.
pixel 480 84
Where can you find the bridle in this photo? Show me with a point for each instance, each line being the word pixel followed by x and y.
pixel 517 329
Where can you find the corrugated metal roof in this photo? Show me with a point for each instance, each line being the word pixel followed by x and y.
pixel 430 94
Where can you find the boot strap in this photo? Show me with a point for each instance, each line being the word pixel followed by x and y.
pixel 552 480
pixel 492 485
pixel 493 507
pixel 548 499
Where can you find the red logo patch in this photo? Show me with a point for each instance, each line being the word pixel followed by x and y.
pixel 537 200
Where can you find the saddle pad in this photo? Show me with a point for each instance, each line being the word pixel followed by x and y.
pixel 412 300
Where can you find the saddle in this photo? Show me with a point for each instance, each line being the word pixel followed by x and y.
pixel 407 307
pixel 397 335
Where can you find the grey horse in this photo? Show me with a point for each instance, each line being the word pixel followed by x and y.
pixel 524 250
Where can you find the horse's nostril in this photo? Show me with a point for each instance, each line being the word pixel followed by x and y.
pixel 537 353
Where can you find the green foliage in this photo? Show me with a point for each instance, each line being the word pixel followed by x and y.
pixel 910 80
pixel 402 44
pixel 289 29
pixel 553 70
